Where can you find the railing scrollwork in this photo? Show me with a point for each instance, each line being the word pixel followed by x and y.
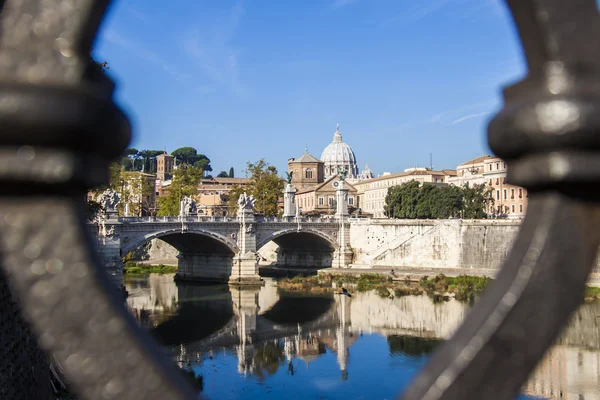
pixel 58 120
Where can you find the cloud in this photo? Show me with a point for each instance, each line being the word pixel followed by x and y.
pixel 466 117
pixel 213 53
pixel 134 48
pixel 342 3
pixel 462 109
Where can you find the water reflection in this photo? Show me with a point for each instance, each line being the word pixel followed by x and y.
pixel 265 343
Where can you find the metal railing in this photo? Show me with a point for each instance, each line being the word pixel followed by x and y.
pixel 60 127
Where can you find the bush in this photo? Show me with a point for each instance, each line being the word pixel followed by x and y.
pixel 132 268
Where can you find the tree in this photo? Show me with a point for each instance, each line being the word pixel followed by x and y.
pixel 131 159
pixel 148 160
pixel 202 162
pixel 266 186
pixel 184 183
pixel 223 174
pixel 138 192
pixel 185 155
pixel 231 173
pixel 189 155
pixel 476 200
pixel 412 200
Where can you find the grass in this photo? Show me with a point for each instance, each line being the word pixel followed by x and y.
pixel 591 293
pixel 132 268
pixel 440 288
pixel 463 287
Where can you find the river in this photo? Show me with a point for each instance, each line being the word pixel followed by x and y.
pixel 270 344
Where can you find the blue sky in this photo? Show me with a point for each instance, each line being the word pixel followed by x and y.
pixel 244 80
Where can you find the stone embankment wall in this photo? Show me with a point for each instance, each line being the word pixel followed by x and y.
pixel 465 244
pixel 450 244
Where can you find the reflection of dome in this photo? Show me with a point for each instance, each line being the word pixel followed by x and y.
pixel 366 173
pixel 338 155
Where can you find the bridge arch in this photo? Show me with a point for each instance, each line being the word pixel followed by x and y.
pixel 293 231
pixel 223 242
pixel 306 248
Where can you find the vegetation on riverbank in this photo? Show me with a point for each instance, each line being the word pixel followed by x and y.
pixel 439 288
pixel 132 268
pixel 591 294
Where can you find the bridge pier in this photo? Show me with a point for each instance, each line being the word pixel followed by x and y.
pixel 245 263
pixel 343 255
pixel 206 267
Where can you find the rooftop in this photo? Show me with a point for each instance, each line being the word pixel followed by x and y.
pixel 477 160
pixel 306 158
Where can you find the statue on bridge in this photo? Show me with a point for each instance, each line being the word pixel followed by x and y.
pixel 289 177
pixel 246 203
pixel 342 173
pixel 188 206
pixel 109 200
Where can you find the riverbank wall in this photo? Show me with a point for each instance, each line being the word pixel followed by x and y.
pixel 465 245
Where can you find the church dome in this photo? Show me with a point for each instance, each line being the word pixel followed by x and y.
pixel 339 155
pixel 366 173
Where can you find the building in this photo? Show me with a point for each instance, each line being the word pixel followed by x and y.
pixel 339 156
pixel 306 170
pixel 371 193
pixel 470 172
pixel 164 166
pixel 510 201
pixel 321 198
pixel 213 194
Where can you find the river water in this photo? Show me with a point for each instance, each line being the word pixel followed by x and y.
pixel 270 344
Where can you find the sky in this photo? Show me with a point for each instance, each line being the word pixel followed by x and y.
pixel 250 79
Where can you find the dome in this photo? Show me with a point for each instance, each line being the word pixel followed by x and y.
pixel 366 173
pixel 339 155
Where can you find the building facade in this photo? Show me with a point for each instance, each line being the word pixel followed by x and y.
pixel 164 166
pixel 510 201
pixel 306 171
pixel 321 198
pixel 470 172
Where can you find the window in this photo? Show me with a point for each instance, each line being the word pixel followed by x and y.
pixel 490 167
pixel 504 165
pixel 512 193
pixel 504 181
pixel 497 195
pixel 309 173
pixel 513 208
pixel 505 194
pixel 497 166
pixel 497 181
pixel 321 201
pixel 520 207
pixel 351 201
pixel 520 193
pixel 330 200
pixel 490 182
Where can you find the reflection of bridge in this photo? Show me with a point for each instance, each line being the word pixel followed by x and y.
pixel 225 249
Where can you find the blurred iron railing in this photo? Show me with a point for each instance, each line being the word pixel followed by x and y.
pixel 60 128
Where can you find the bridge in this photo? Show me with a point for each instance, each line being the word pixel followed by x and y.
pixel 224 249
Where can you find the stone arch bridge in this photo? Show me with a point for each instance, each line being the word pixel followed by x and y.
pixel 224 249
